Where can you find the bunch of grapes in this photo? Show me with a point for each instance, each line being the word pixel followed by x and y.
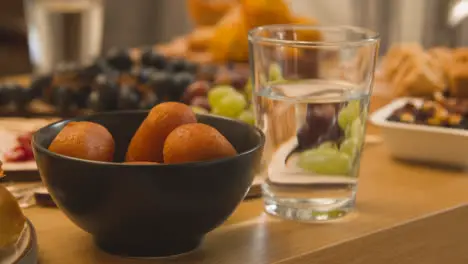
pixel 227 95
pixel 331 138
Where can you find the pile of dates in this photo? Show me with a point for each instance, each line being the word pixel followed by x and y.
pixel 119 82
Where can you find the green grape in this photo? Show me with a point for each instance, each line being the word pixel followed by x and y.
pixel 199 110
pixel 355 108
pixel 231 105
pixel 348 114
pixel 356 130
pixel 344 118
pixel 275 73
pixel 247 117
pixel 325 161
pixel 350 146
pixel 328 144
pixel 219 92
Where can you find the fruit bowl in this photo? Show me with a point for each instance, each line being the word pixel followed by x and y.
pixel 153 209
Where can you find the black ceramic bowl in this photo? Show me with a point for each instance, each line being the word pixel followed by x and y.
pixel 148 210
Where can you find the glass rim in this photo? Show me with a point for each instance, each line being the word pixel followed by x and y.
pixel 371 36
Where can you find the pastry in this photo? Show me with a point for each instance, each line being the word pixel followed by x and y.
pixel 196 142
pixel 148 142
pixel 200 38
pixel 229 42
pixel 209 12
pixel 265 12
pixel 458 79
pixel 84 140
pixel 397 55
pixel 460 55
pixel 418 75
pixel 444 56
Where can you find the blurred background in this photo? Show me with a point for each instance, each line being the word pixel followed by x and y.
pixel 144 22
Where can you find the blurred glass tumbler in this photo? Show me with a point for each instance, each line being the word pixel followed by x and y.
pixel 63 32
pixel 311 89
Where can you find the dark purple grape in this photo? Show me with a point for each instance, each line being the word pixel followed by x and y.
pixel 63 99
pixel 307 137
pixel 18 95
pixel 129 98
pixel 108 89
pixel 4 95
pixel 39 85
pixel 321 117
pixel 142 75
pixel 151 58
pixel 176 65
pixel 161 83
pixel 201 101
pixel 119 59
pixel 180 83
pixel 334 134
pixel 81 96
pixel 191 67
pixel 91 71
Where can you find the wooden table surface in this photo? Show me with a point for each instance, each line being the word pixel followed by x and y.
pixel 406 213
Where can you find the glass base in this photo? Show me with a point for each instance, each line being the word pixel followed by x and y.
pixel 309 210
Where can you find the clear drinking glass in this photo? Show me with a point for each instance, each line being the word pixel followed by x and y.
pixel 311 95
pixel 63 32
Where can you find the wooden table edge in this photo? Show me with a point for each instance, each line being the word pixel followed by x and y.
pixel 354 249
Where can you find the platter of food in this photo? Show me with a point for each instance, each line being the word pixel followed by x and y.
pixel 15 142
pixel 427 119
pixel 424 130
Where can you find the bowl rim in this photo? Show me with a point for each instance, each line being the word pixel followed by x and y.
pixel 36 145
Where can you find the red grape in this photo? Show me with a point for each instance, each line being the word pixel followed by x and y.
pixel 307 137
pixel 198 88
pixel 201 101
